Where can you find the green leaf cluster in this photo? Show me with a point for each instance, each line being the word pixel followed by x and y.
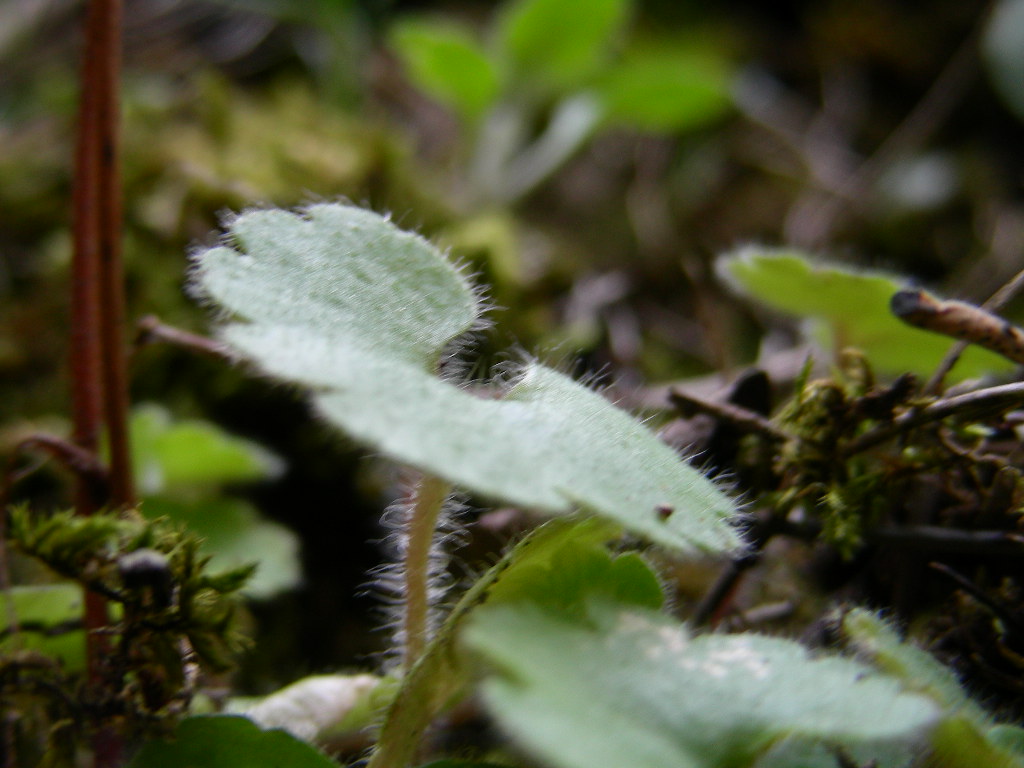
pixel 569 64
pixel 577 663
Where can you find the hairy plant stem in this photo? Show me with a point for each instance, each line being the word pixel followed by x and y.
pixel 435 678
pixel 428 498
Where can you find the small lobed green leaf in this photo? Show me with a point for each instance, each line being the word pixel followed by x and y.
pixel 558 44
pixel 577 569
pixel 674 87
pixel 448 64
pixel 341 301
pixel 172 454
pixel 851 310
pixel 629 686
pixel 217 741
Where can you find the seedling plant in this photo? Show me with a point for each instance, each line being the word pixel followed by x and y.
pixel 567 642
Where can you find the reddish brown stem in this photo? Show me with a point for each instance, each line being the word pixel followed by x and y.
pixel 84 465
pixel 111 269
pixel 99 390
pixel 86 348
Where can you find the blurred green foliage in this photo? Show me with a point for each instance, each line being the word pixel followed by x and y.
pixel 570 68
pixel 182 468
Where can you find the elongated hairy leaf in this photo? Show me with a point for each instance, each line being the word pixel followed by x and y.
pixel 968 736
pixel 340 300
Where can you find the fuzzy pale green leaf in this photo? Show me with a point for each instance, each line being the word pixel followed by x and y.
pixel 626 686
pixel 318 707
pixel 879 643
pixel 340 300
pixel 851 309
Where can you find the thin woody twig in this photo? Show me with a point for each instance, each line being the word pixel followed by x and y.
pixel 84 464
pixel 747 420
pixel 989 399
pixel 937 539
pixel 995 302
pixel 961 321
pixel 1000 610
pixel 150 330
